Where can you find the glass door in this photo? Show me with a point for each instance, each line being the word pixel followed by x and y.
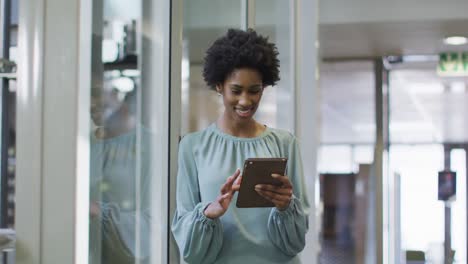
pixel 129 131
pixel 346 159
pixel 428 135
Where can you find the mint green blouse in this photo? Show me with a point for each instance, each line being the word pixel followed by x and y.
pixel 241 235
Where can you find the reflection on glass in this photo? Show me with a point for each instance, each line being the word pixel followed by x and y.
pixel 120 215
pixel 115 206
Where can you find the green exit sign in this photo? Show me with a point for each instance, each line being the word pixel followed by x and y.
pixel 453 64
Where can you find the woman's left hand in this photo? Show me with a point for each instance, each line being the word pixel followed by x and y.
pixel 279 195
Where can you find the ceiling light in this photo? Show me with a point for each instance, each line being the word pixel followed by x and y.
pixel 456 40
pixel 457 87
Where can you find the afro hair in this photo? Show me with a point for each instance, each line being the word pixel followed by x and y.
pixel 241 49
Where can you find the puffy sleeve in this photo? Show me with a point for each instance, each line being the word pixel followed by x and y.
pixel 287 229
pixel 199 238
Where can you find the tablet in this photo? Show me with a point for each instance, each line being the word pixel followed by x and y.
pixel 258 171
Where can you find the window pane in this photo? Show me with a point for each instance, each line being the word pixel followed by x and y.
pixel 345 160
pixel 458 164
pixel 335 159
pixel 347 105
pixel 125 115
pixel 422 215
pixel 272 19
pixel 204 21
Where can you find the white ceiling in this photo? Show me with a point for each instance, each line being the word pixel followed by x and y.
pixel 370 39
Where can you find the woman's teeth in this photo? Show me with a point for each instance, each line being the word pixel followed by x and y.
pixel 245 112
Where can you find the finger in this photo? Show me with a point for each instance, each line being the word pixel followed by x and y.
pixel 275 189
pixel 236 173
pixel 236 185
pixel 283 179
pixel 229 181
pixel 274 196
pixel 277 202
pixel 225 187
pixel 225 196
pixel 238 180
pixel 263 195
pixel 233 178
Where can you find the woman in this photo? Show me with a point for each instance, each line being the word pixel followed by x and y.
pixel 207 225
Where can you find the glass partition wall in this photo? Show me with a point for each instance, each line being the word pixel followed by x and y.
pixel 206 20
pixel 124 131
pixel 274 19
pixel 129 124
pixel 345 159
pixel 115 100
pixel 428 131
pixel 203 22
pixel 426 134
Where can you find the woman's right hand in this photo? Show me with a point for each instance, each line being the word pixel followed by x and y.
pixel 218 207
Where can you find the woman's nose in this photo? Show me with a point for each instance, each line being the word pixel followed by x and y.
pixel 245 100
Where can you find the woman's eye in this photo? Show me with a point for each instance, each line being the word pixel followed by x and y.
pixel 256 91
pixel 236 92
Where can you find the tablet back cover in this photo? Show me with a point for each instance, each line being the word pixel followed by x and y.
pixel 258 171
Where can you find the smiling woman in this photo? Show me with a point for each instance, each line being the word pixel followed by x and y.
pixel 239 66
pixel 242 91
pixel 207 226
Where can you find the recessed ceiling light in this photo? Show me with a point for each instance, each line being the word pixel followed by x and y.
pixel 456 40
pixel 457 87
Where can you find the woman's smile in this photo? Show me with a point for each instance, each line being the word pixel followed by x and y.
pixel 242 92
pixel 245 112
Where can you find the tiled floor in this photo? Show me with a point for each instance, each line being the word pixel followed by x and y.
pixel 333 253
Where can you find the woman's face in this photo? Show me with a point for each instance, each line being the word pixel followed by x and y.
pixel 242 91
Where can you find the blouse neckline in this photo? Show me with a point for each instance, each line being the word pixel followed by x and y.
pixel 218 131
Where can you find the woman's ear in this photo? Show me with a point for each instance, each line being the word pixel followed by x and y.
pixel 219 89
